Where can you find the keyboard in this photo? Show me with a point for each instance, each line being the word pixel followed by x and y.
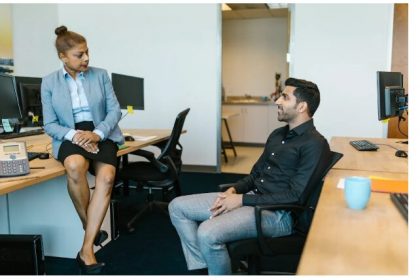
pixel 21 134
pixel 363 145
pixel 401 202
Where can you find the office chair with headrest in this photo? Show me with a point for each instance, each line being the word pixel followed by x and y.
pixel 259 252
pixel 159 173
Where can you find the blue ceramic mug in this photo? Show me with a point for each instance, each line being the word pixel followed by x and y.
pixel 357 192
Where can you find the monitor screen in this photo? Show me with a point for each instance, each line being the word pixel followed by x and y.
pixel 9 103
pixel 129 91
pixel 31 105
pixel 25 80
pixel 384 80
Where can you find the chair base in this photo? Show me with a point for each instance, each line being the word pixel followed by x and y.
pixel 150 206
pixel 263 265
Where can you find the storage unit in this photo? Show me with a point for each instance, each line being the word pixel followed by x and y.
pixel 254 123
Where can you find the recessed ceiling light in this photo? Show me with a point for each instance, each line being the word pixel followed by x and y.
pixel 277 5
pixel 225 7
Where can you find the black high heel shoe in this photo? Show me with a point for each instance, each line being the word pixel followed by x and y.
pixel 100 237
pixel 95 268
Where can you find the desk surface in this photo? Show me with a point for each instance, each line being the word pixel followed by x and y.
pixel 383 160
pixel 54 168
pixel 346 241
pixel 228 114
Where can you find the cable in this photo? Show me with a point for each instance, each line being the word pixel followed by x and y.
pixel 399 129
pixel 48 149
pixel 387 145
pixel 122 117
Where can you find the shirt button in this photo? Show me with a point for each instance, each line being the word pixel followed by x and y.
pixel 272 154
pixel 262 180
pixel 269 167
pixel 282 142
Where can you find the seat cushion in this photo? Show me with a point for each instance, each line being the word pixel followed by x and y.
pixel 142 172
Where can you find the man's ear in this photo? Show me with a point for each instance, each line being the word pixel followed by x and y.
pixel 302 107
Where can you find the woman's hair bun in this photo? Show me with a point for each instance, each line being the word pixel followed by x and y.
pixel 60 30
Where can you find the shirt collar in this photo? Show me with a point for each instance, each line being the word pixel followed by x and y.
pixel 80 75
pixel 301 129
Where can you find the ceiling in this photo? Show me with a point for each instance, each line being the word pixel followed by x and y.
pixel 249 11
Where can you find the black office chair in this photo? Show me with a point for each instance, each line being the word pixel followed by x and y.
pixel 159 173
pixel 262 255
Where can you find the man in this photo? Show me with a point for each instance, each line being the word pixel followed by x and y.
pixel 280 175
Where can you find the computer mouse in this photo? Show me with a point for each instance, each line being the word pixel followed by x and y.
pixel 44 156
pixel 401 153
pixel 128 138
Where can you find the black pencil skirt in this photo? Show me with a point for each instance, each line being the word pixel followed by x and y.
pixel 107 149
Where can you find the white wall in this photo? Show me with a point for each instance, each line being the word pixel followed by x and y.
pixel 340 47
pixel 33 39
pixel 253 51
pixel 175 48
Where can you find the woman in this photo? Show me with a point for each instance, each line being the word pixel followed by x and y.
pixel 81 114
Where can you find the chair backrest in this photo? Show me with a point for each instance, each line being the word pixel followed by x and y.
pixel 311 194
pixel 170 149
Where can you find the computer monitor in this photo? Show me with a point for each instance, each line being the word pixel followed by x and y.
pixel 25 80
pixel 9 102
pixel 390 94
pixel 129 91
pixel 31 105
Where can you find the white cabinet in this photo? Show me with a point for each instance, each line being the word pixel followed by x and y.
pixel 255 123
pixel 250 123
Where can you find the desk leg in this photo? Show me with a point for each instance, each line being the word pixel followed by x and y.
pixel 230 137
pixel 4 214
pixel 224 151
pixel 126 189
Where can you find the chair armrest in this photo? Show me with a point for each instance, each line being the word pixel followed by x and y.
pixel 265 249
pixel 225 187
pixel 151 157
pixel 171 166
pixel 174 172
pixel 143 153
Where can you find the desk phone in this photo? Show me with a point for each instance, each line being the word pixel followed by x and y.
pixel 13 159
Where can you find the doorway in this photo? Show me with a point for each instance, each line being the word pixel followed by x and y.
pixel 255 43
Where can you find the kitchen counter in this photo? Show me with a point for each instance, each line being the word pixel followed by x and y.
pixel 247 100
pixel 253 121
pixel 249 103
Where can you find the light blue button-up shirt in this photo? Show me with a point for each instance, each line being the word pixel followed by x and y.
pixel 80 105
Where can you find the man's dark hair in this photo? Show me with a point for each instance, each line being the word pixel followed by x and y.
pixel 305 91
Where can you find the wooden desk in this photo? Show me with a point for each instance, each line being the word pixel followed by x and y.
pixel 54 168
pixel 39 202
pixel 383 160
pixel 346 241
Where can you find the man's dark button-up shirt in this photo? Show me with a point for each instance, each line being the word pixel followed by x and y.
pixel 283 170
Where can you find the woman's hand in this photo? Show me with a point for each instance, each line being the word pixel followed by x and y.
pixel 87 140
pixel 91 148
pixel 82 138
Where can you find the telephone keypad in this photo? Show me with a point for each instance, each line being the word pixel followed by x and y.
pixel 14 167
